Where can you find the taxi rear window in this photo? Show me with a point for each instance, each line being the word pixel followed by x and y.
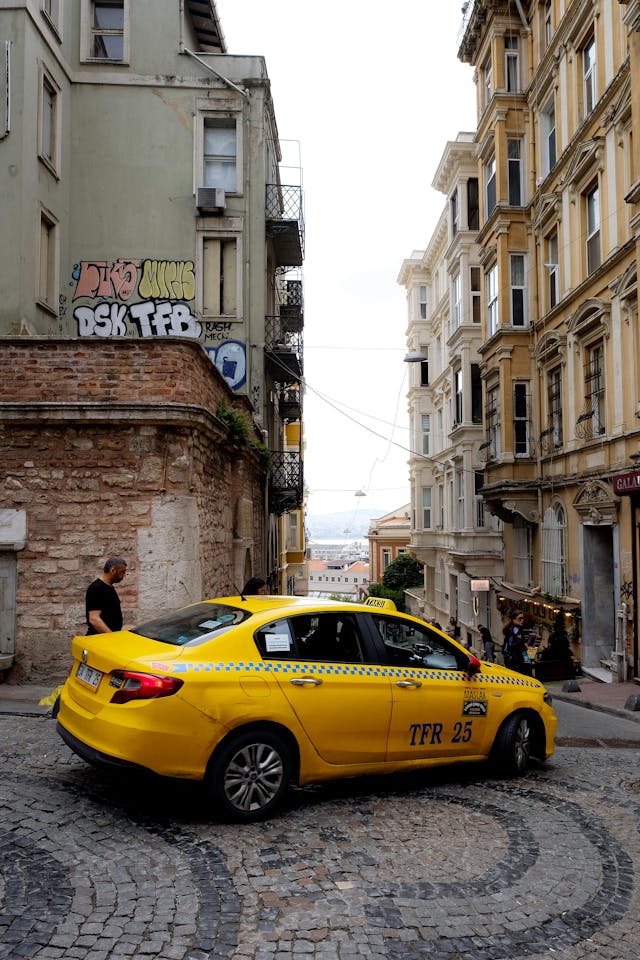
pixel 192 625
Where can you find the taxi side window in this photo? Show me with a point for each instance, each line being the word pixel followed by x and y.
pixel 408 644
pixel 327 636
pixel 275 641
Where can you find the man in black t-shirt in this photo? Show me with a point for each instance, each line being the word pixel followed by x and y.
pixel 103 610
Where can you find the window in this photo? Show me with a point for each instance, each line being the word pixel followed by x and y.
pixel 589 76
pixel 514 152
pixel 490 186
pixel 595 387
pixel 487 79
pixel 493 423
pixel 548 137
pixel 47 281
pixel 440 506
pixel 455 213
pixel 293 542
pixel 459 416
pixel 522 572
pixel 554 403
pixel 552 266
pixel 220 154
pixel 521 419
pixel 478 483
pixel 107 30
pixel 476 394
pixel 422 301
pixel 219 277
pixel 321 636
pixel 424 366
pixel 592 203
pixel 460 499
pixel 426 508
pixel 518 290
pixel 409 644
pixel 511 64
pixel 492 301
pixel 554 551
pixel 386 558
pixel 473 204
pixel 476 303
pixel 456 306
pixel 49 122
pixel 548 22
pixel 51 9
pixel 426 433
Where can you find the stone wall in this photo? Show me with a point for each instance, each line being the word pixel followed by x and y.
pixel 115 448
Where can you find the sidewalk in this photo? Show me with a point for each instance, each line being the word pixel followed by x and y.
pixel 21 700
pixel 606 697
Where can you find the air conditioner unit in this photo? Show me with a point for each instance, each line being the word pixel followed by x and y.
pixel 210 199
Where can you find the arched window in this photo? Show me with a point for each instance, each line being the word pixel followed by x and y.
pixel 554 551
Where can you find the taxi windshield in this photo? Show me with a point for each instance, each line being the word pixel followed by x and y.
pixel 192 625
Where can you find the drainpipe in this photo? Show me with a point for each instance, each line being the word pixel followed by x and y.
pixel 7 79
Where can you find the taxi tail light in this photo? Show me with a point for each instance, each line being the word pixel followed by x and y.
pixel 143 686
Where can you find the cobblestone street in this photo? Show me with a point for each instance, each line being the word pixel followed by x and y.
pixel 445 865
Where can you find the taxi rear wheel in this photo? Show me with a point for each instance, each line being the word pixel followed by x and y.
pixel 249 778
pixel 512 747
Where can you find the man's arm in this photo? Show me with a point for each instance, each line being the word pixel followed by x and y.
pixel 97 622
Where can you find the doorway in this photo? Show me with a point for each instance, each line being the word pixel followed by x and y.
pixel 598 595
pixel 7 610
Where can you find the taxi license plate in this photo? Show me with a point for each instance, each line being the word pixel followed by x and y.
pixel 88 675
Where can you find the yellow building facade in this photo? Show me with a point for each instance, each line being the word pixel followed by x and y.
pixel 558 87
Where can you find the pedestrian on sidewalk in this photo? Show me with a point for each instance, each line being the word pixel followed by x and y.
pixel 102 603
pixel 488 646
pixel 514 650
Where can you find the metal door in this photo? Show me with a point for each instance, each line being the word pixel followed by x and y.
pixel 7 609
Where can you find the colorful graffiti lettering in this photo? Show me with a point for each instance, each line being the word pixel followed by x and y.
pixel 151 318
pixel 97 278
pixel 168 279
pixel 156 279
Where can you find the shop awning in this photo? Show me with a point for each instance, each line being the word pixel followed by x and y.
pixel 512 593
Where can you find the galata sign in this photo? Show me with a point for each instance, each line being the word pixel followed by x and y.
pixel 627 483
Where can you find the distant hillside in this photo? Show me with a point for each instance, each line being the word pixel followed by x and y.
pixel 344 525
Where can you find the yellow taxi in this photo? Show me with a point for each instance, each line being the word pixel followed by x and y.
pixel 252 694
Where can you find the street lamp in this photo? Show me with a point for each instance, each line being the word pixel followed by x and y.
pixel 415 356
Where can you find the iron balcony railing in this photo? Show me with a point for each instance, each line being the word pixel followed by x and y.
pixel 286 487
pixel 285 223
pixel 290 404
pixel 283 349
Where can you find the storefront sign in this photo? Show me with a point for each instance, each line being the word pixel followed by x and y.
pixel 627 483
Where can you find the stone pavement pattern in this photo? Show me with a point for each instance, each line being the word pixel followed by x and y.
pixel 451 865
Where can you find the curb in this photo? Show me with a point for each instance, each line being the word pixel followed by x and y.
pixel 620 712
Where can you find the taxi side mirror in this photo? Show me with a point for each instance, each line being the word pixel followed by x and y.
pixel 475 666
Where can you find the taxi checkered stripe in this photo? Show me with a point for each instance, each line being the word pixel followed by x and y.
pixel 349 669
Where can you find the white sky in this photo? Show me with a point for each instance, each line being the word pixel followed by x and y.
pixel 371 91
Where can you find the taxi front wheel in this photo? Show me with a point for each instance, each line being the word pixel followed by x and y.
pixel 512 747
pixel 249 778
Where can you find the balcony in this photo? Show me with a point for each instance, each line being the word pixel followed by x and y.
pixel 291 308
pixel 283 351
pixel 285 223
pixel 290 405
pixel 286 489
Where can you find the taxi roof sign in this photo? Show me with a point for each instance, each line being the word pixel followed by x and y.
pixel 382 603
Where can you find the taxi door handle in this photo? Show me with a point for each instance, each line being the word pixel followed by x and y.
pixel 408 683
pixel 306 681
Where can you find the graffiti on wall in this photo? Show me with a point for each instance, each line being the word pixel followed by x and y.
pixel 150 298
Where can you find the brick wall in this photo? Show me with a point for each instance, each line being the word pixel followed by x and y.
pixel 114 448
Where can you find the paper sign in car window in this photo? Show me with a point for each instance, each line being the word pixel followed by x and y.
pixel 209 624
pixel 278 643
